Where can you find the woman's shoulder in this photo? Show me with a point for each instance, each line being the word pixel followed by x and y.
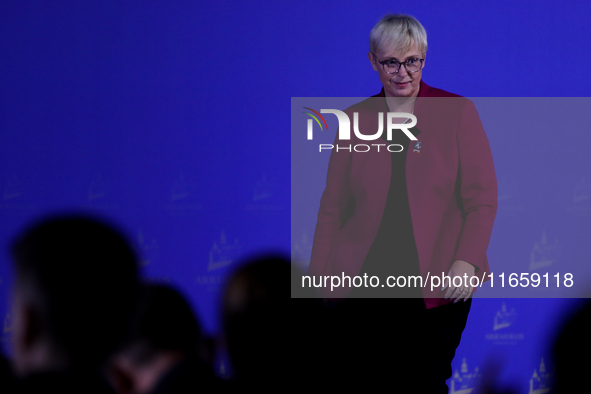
pixel 429 91
pixel 451 100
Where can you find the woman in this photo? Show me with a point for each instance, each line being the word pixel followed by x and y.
pixel 426 209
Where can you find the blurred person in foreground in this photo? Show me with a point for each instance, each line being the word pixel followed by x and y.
pixel 6 376
pixel 165 350
pixel 75 284
pixel 267 334
pixel 571 351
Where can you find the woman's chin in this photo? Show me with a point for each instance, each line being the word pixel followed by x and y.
pixel 397 91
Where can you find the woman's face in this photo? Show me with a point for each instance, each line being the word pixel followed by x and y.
pixel 403 83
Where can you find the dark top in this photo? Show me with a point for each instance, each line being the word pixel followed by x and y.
pixel 394 251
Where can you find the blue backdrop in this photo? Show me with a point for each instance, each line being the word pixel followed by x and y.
pixel 173 119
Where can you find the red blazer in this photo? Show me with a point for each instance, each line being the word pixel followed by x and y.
pixel 451 183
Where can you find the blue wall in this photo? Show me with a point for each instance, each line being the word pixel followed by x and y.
pixel 173 120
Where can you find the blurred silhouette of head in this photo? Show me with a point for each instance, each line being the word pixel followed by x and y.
pixel 75 285
pixel 6 377
pixel 163 333
pixel 571 350
pixel 255 309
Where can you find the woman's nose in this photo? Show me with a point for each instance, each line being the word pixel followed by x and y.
pixel 402 71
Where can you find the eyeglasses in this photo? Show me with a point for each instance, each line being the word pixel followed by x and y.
pixel 392 66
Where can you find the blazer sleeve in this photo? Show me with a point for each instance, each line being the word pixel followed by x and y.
pixel 477 186
pixel 336 207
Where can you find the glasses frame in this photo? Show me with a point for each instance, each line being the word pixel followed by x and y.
pixel 383 63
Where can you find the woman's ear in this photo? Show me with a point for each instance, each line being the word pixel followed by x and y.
pixel 27 328
pixel 32 328
pixel 371 58
pixel 26 337
pixel 120 375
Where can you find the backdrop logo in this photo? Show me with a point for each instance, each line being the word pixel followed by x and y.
pixel 541 380
pixel 581 197
pixel 11 188
pixel 505 320
pixel 464 381
pixel 544 253
pixel 148 251
pixel 344 131
pixel 100 194
pixel 182 201
pixel 8 328
pixel 8 323
pixel 222 253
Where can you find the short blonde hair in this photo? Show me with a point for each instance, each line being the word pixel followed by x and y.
pixel 398 31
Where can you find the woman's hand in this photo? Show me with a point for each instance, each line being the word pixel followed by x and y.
pixel 463 292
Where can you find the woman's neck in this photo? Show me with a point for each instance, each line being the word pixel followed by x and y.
pixel 401 104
